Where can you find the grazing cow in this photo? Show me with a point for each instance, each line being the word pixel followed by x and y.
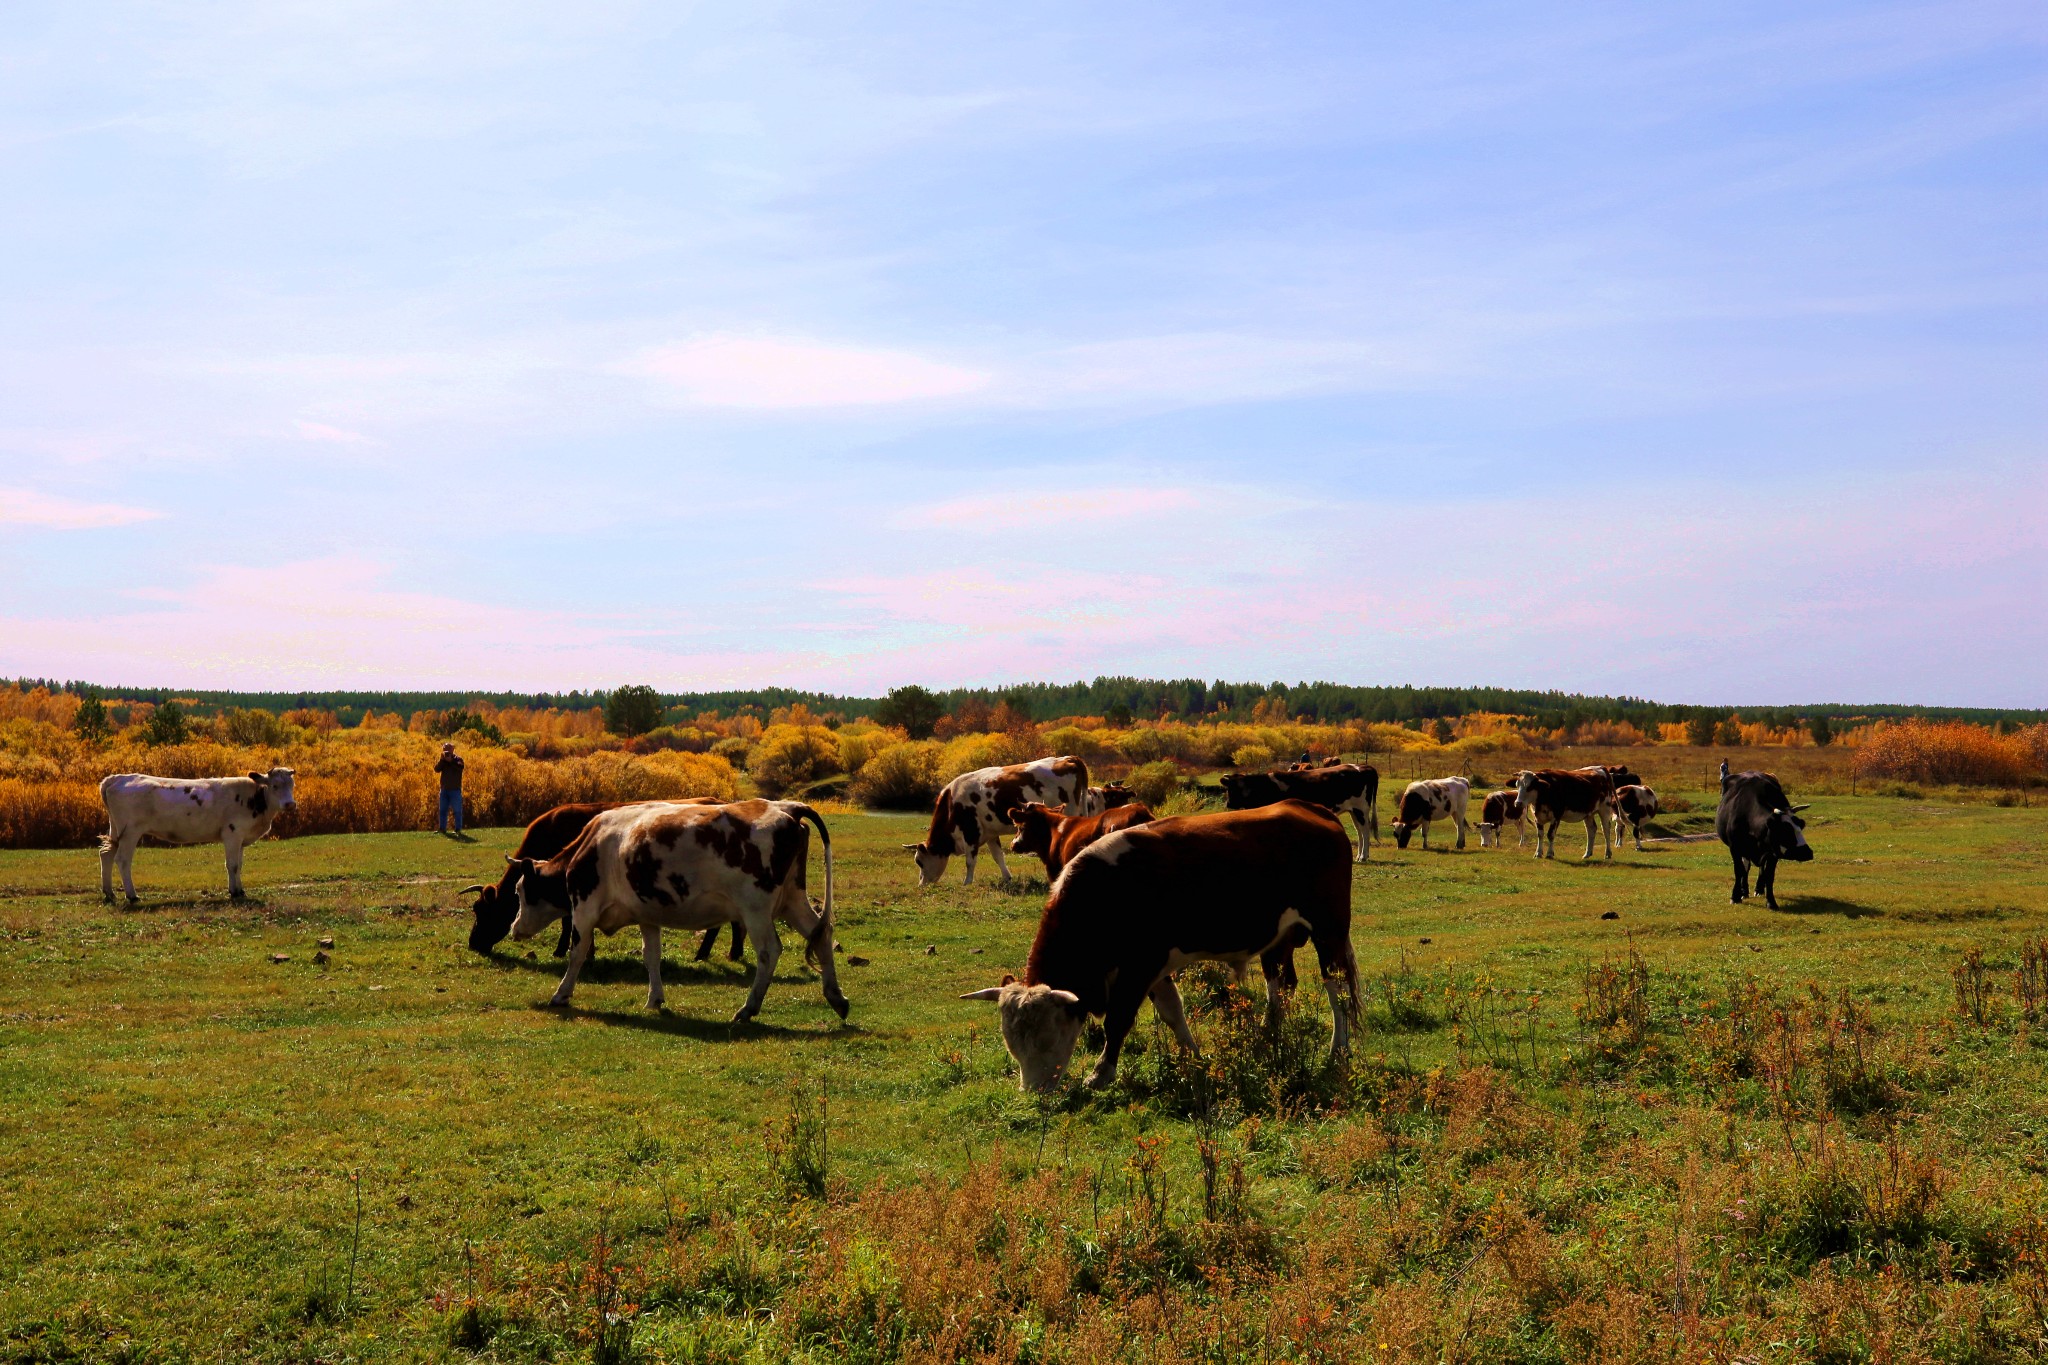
pixel 1108 796
pixel 1634 805
pixel 659 865
pixel 231 811
pixel 1436 798
pixel 1501 809
pixel 1759 826
pixel 1552 795
pixel 1353 787
pixel 1139 904
pixel 972 812
pixel 550 833
pixel 1056 838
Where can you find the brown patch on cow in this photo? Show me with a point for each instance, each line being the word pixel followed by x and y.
pixel 938 839
pixel 729 836
pixel 643 874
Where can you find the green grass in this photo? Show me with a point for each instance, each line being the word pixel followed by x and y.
pixel 182 1120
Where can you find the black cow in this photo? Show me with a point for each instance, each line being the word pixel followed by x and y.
pixel 1759 826
pixel 1353 787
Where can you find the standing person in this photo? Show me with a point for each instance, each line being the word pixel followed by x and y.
pixel 450 768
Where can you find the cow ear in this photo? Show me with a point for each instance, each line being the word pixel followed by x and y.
pixel 1007 979
pixel 985 993
pixel 260 777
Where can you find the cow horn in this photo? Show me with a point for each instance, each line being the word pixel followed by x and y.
pixel 985 993
pixel 1802 805
pixel 467 890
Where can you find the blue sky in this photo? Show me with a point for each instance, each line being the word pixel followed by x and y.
pixel 1695 352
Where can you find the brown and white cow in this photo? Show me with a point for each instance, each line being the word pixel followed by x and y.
pixel 973 811
pixel 1108 796
pixel 1502 808
pixel 1429 800
pixel 660 866
pixel 1056 837
pixel 1634 805
pixel 1353 787
pixel 549 833
pixel 1553 795
pixel 231 811
pixel 1137 905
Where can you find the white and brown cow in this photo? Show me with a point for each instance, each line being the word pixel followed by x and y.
pixel 1502 809
pixel 1634 806
pixel 1552 796
pixel 685 867
pixel 973 811
pixel 230 811
pixel 1137 905
pixel 1432 799
pixel 1108 796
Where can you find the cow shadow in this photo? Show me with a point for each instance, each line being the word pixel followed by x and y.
pixel 696 1028
pixel 618 968
pixel 1825 905
pixel 148 905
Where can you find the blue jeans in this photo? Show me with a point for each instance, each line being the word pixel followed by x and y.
pixel 451 803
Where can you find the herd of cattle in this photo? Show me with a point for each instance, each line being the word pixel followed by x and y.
pixel 1133 898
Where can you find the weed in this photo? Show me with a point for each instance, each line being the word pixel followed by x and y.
pixel 798 1144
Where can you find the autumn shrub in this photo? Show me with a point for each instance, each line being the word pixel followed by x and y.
pixel 1152 783
pixel 860 742
pixel 965 753
pixel 901 777
pixel 1942 752
pixel 1252 756
pixel 790 755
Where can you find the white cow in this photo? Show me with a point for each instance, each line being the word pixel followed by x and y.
pixel 973 811
pixel 231 811
pixel 1436 798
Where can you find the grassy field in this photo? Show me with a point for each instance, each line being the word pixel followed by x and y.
pixel 1693 1131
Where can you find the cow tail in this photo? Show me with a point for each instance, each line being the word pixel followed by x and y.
pixel 821 937
pixel 1080 806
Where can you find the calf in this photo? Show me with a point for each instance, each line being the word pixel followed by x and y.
pixel 1436 798
pixel 551 832
pixel 1759 826
pixel 230 811
pixel 1634 805
pixel 1502 808
pixel 1552 796
pixel 1109 796
pixel 1137 905
pixel 1353 787
pixel 972 811
pixel 659 865
pixel 1056 838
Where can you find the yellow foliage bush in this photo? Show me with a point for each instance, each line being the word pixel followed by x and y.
pixel 791 755
pixel 965 753
pixel 1942 751
pixel 1252 756
pixel 860 742
pixel 903 776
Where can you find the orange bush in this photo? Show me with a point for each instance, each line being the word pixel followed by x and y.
pixel 1942 752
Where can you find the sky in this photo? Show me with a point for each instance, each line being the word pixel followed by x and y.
pixel 1685 351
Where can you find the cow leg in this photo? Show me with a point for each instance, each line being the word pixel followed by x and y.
pixel 566 937
pixel 579 953
pixel 1588 855
pixel 767 948
pixel 1129 992
pixel 1166 1003
pixel 650 953
pixel 995 850
pixel 1741 891
pixel 107 846
pixel 705 944
pixel 737 951
pixel 972 849
pixel 126 858
pixel 1459 816
pixel 1364 834
pixel 1425 835
pixel 1606 818
pixel 1275 965
pixel 1767 880
pixel 231 842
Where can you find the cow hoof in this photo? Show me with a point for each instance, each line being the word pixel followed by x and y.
pixel 557 1002
pixel 839 1003
pixel 742 1016
pixel 1099 1079
pixel 657 1004
pixel 135 900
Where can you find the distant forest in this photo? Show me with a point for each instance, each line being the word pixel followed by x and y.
pixel 1119 697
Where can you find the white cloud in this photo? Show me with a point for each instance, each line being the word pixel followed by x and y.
pixel 320 431
pixel 25 507
pixel 733 371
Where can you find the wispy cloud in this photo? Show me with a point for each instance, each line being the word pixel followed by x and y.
pixel 331 435
pixel 26 507
pixel 1046 513
pixel 732 371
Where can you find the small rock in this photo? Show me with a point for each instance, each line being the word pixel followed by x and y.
pixel 326 940
pixel 978 951
pixel 1813 931
pixel 380 988
pixel 1610 914
pixel 440 990
pixel 320 959
pixel 931 950
pixel 1422 940
pixel 403 1201
pixel 855 961
pixel 1756 947
pixel 280 957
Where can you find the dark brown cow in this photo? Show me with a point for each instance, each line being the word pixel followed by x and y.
pixel 1552 795
pixel 1137 905
pixel 1501 809
pixel 1353 787
pixel 972 812
pixel 550 833
pixel 1056 837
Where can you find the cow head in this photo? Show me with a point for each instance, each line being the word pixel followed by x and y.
pixel 277 787
pixel 1525 790
pixel 1035 824
pixel 1116 794
pixel 1785 834
pixel 931 863
pixel 491 916
pixel 542 899
pixel 1040 1027
pixel 1234 794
